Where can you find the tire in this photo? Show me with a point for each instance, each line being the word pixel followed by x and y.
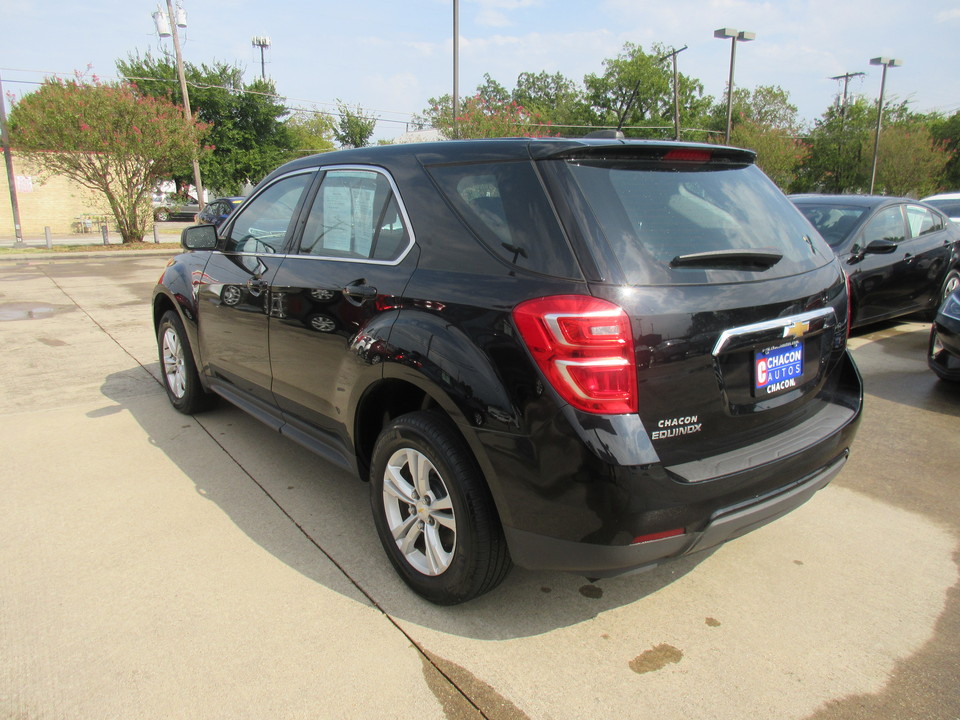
pixel 950 283
pixel 433 511
pixel 180 377
pixel 161 215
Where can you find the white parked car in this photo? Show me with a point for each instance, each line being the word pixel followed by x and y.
pixel 947 203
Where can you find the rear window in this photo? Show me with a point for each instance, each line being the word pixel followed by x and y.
pixel 652 214
pixel 834 222
pixel 505 205
pixel 951 208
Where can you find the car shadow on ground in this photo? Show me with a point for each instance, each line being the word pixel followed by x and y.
pixel 892 356
pixel 226 454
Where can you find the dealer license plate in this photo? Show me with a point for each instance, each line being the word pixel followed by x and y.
pixel 778 369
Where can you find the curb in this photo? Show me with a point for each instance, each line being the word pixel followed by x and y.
pixel 86 255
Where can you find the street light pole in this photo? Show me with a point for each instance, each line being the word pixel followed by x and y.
pixel 885 62
pixel 735 37
pixel 261 42
pixel 175 20
pixel 456 66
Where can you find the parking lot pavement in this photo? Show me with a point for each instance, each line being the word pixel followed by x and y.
pixel 157 565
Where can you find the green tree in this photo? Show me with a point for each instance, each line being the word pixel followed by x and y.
pixel 765 105
pixel 493 91
pixel 482 117
pixel 910 160
pixel 311 132
pixel 764 120
pixel 248 136
pixel 636 89
pixel 109 138
pixel 946 130
pixel 779 153
pixel 354 127
pixel 556 99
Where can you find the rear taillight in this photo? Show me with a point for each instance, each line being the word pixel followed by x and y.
pixel 584 347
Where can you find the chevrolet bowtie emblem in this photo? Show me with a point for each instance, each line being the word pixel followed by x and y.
pixel 797 329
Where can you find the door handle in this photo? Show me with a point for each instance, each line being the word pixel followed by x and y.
pixel 256 286
pixel 359 291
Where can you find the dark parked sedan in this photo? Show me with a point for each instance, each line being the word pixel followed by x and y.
pixel 944 355
pixel 900 255
pixel 579 355
pixel 175 207
pixel 219 210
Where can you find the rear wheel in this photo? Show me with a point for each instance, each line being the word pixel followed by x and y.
pixel 161 214
pixel 180 377
pixel 433 511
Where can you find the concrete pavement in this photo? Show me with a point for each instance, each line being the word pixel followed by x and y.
pixel 156 565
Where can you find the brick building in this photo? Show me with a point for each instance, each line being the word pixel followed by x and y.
pixel 59 203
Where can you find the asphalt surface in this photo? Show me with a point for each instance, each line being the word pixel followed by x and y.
pixel 154 565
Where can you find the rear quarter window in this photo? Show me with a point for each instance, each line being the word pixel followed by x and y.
pixel 505 206
pixel 650 215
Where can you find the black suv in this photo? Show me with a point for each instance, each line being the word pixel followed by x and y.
pixel 579 355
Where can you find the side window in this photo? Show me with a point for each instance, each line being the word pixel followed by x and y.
pixel 886 225
pixel 505 205
pixel 262 226
pixel 355 215
pixel 922 221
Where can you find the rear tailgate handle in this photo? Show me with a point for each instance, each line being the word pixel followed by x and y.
pixel 792 326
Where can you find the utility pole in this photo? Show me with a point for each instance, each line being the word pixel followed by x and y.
pixel 175 20
pixel 8 159
pixel 261 41
pixel 676 90
pixel 846 77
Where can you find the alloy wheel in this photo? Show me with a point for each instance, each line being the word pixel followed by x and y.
pixel 173 363
pixel 419 511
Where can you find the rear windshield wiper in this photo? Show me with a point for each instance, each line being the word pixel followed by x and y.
pixel 757 259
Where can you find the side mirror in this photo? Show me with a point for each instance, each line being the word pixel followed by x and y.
pixel 199 237
pixel 881 247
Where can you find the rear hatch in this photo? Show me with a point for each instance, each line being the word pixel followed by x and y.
pixel 738 309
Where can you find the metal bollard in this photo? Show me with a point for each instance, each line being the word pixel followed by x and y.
pixel 106 234
pixel 156 235
pixel 46 234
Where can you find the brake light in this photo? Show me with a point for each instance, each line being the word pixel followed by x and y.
pixel 687 155
pixel 584 347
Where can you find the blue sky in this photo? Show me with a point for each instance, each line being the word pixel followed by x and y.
pixel 391 56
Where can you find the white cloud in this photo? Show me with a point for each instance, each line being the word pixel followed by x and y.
pixel 490 17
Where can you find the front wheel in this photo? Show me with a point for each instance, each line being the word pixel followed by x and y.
pixel 433 511
pixel 180 377
pixel 950 283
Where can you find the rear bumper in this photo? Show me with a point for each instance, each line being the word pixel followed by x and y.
pixel 545 553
